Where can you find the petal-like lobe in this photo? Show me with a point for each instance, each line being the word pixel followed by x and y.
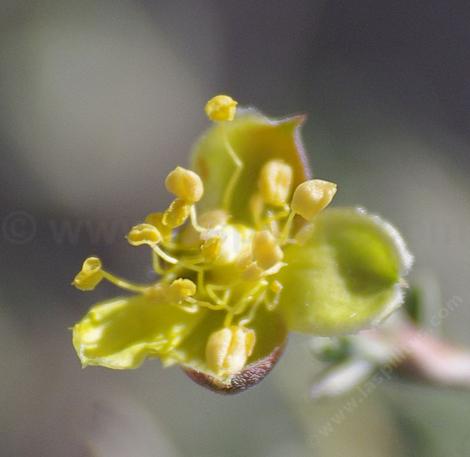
pixel 271 336
pixel 251 375
pixel 120 333
pixel 255 139
pixel 344 274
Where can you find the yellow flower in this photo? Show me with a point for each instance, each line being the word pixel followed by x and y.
pixel 236 278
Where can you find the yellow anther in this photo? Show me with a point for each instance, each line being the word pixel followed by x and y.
pixel 311 197
pixel 156 219
pixel 213 218
pixel 177 213
pixel 185 184
pixel 143 234
pixel 221 108
pixel 172 293
pixel 252 272
pixel 275 182
pixel 90 275
pixel 180 289
pixel 211 249
pixel 266 251
pixel 228 349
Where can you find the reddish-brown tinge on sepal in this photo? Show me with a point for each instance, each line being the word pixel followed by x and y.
pixel 249 377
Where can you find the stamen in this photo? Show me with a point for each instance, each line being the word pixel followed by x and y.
pixel 193 219
pixel 256 208
pixel 156 219
pixel 228 349
pixel 211 306
pixel 254 308
pixel 166 257
pixel 157 268
pixel 222 302
pixel 90 275
pixel 181 289
pixel 275 288
pixel 185 184
pixel 244 302
pixel 221 108
pixel 287 228
pixel 311 197
pixel 266 250
pixel 124 284
pixel 228 194
pixel 275 182
pixel 143 234
pixel 177 213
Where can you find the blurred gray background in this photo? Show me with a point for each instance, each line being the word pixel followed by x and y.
pixel 100 99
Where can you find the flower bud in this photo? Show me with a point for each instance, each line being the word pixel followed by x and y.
pixel 221 108
pixel 177 213
pixel 228 349
pixel 90 275
pixel 266 251
pixel 185 184
pixel 143 234
pixel 275 182
pixel 311 197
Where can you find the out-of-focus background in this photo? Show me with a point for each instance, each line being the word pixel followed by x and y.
pixel 100 99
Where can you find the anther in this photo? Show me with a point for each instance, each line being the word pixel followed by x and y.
pixel 228 349
pixel 181 289
pixel 144 234
pixel 185 184
pixel 221 108
pixel 90 275
pixel 311 197
pixel 156 219
pixel 275 182
pixel 266 251
pixel 177 213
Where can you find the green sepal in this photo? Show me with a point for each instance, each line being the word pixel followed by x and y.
pixel 120 333
pixel 255 139
pixel 344 274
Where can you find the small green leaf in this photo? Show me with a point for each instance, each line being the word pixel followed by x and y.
pixel 344 275
pixel 255 139
pixel 120 333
